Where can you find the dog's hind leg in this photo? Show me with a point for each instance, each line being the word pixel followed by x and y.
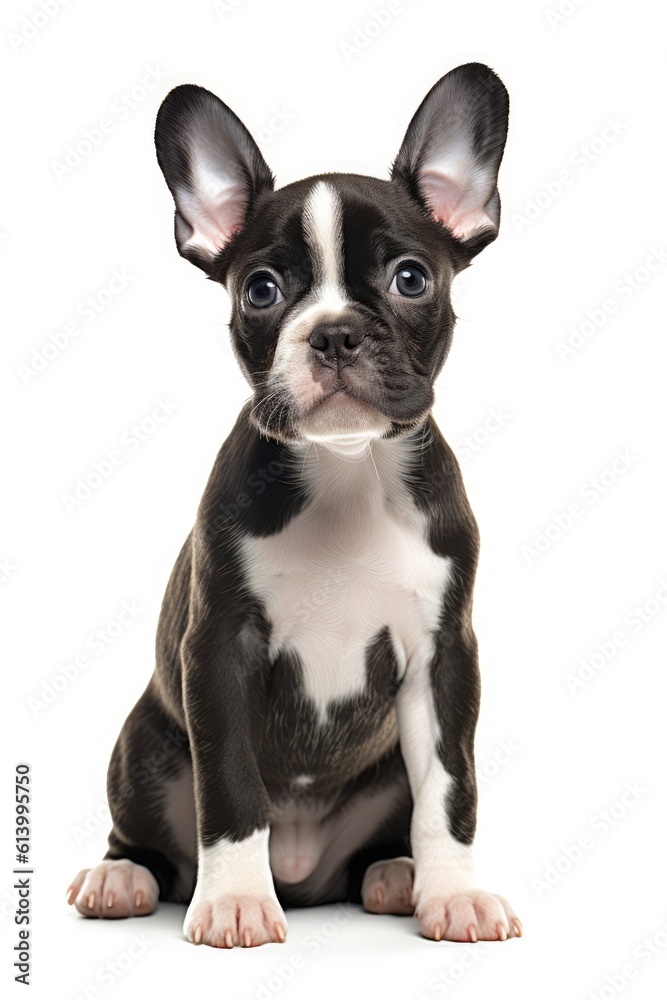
pixel 151 845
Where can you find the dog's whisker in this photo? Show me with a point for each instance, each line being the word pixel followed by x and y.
pixel 265 399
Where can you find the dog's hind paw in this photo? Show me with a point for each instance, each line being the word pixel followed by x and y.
pixel 114 889
pixel 387 887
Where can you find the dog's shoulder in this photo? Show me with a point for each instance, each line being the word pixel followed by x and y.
pixel 249 490
pixel 437 489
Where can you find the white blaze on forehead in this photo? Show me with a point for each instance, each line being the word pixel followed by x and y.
pixel 323 229
pixel 322 221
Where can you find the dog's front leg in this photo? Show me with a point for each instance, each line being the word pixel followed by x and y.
pixel 437 709
pixel 223 684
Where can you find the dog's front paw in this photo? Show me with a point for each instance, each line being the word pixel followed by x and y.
pixel 235 920
pixel 468 916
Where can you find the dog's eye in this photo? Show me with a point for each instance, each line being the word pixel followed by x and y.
pixel 262 291
pixel 409 280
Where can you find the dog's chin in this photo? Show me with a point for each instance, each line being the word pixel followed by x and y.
pixel 341 419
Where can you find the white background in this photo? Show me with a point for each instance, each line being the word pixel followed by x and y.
pixel 164 337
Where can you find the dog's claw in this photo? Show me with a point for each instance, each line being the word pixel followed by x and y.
pixel 229 941
pixel 437 932
pixel 280 932
pixel 472 933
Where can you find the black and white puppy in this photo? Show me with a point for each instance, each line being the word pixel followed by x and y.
pixel 307 735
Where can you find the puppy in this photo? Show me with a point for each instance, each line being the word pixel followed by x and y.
pixel 307 735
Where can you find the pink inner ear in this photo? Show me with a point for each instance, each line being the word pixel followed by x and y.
pixel 458 205
pixel 215 212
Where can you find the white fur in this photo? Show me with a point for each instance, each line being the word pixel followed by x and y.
pixel 234 887
pixel 323 232
pixel 230 868
pixel 323 228
pixel 443 865
pixel 303 780
pixel 354 561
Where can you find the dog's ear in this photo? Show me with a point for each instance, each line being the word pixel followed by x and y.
pixel 213 168
pixel 451 153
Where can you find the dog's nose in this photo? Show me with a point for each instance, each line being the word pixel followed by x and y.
pixel 336 344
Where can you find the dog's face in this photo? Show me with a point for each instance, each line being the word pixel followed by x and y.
pixel 340 283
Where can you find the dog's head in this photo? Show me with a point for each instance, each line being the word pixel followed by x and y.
pixel 340 284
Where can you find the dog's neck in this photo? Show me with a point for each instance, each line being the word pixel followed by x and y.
pixel 352 448
pixel 363 475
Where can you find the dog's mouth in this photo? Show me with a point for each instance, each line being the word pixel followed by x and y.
pixel 342 413
pixel 341 391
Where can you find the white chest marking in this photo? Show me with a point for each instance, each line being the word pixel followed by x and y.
pixel 355 560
